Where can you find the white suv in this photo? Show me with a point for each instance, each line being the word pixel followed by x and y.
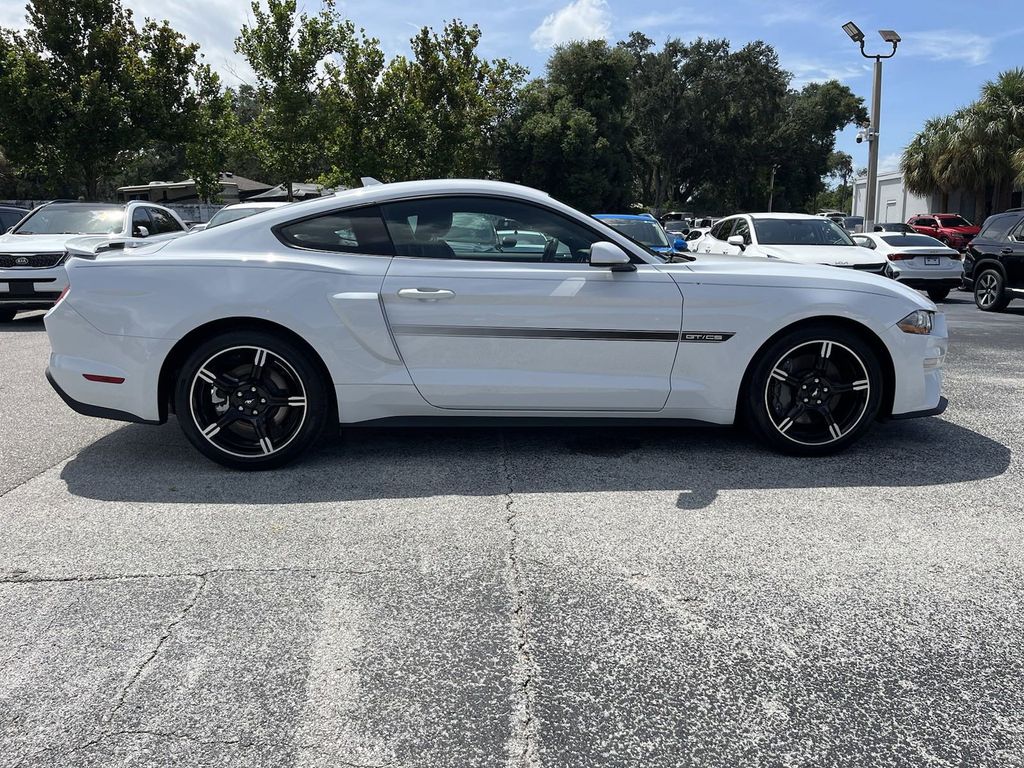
pixel 790 237
pixel 32 254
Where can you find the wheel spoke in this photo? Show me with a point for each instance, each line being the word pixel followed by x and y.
pixel 260 427
pixel 785 377
pixel 258 363
pixel 861 385
pixel 791 416
pixel 222 381
pixel 833 428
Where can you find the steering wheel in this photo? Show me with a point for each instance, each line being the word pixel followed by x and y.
pixel 550 249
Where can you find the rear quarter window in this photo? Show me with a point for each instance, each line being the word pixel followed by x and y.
pixel 998 227
pixel 358 230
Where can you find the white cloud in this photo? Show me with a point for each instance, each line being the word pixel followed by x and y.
pixel 948 45
pixel 808 71
pixel 890 162
pixel 579 20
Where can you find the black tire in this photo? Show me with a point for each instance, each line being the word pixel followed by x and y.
pixel 6 315
pixel 814 391
pixel 990 291
pixel 251 400
pixel 938 294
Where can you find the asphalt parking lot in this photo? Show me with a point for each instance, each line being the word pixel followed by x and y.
pixel 519 597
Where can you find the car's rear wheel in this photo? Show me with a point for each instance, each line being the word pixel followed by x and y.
pixel 938 294
pixel 814 391
pixel 990 291
pixel 251 400
pixel 6 315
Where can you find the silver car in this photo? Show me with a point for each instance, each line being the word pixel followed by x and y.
pixel 917 261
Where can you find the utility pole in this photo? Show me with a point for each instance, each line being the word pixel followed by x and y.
pixel 771 188
pixel 871 202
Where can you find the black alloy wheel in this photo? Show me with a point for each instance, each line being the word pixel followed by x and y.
pixel 251 400
pixel 990 291
pixel 815 392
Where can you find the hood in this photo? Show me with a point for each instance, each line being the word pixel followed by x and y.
pixel 833 255
pixel 10 243
pixel 753 271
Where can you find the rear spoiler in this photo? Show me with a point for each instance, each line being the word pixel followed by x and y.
pixel 91 246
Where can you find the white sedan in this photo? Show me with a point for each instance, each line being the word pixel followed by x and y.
pixel 262 333
pixel 791 237
pixel 917 260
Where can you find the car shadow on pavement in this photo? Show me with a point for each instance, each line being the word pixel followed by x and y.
pixel 156 464
pixel 24 323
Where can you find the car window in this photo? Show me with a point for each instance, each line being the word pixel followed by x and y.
pixel 742 229
pixel 163 222
pixel 485 229
pixel 817 231
pixel 721 230
pixel 1018 233
pixel 9 219
pixel 225 215
pixel 648 232
pixel 140 218
pixel 912 240
pixel 74 219
pixel 998 227
pixel 954 221
pixel 925 222
pixel 865 242
pixel 359 230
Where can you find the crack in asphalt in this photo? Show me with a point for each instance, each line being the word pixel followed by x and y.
pixel 524 751
pixel 16 577
pixel 201 582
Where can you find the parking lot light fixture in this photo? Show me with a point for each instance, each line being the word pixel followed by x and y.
pixel 890 36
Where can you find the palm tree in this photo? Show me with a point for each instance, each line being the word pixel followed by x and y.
pixel 920 161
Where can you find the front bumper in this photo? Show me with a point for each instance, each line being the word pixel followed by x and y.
pixel 24 289
pixel 918 362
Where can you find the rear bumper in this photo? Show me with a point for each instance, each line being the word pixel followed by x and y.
pixel 97 411
pixel 80 349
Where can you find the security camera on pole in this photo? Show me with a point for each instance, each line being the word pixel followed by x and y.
pixel 869 131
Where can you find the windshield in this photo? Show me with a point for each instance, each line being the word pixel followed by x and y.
pixel 800 232
pixel 225 215
pixel 677 226
pixel 74 219
pixel 912 240
pixel 647 233
pixel 954 221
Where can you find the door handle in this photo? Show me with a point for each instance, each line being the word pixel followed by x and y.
pixel 1006 251
pixel 425 294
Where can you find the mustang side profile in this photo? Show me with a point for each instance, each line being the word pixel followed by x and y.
pixel 400 301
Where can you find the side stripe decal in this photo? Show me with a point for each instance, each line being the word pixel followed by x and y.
pixel 588 334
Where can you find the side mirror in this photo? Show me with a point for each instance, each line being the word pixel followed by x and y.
pixel 605 254
pixel 679 244
pixel 140 231
pixel 738 241
pixel 508 242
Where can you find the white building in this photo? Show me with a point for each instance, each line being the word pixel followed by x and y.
pixel 894 203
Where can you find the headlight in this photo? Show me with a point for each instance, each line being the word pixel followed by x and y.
pixel 919 321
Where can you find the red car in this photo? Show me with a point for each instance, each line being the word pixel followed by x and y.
pixel 951 228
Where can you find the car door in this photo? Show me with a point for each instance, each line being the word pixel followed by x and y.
pixel 482 324
pixel 742 229
pixel 1012 252
pixel 714 240
pixel 165 226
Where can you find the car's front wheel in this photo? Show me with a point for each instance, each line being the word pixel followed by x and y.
pixel 938 294
pixel 990 291
pixel 251 399
pixel 814 391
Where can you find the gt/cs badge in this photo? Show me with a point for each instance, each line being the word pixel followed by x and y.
pixel 707 337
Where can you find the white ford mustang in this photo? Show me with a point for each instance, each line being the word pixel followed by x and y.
pixel 402 301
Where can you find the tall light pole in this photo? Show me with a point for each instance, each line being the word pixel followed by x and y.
pixel 876 110
pixel 771 187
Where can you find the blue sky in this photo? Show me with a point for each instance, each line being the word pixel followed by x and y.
pixel 949 48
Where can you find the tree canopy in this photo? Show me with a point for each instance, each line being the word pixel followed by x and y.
pixel 90 99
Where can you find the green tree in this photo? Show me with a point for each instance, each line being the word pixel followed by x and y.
pixel 84 91
pixel 286 49
pixel 207 151
pixel 569 132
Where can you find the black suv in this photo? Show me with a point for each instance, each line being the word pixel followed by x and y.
pixel 994 261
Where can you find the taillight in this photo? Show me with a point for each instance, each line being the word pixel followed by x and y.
pixel 900 256
pixel 957 256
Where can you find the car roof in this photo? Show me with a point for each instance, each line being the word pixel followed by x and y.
pixel 773 215
pixel 255 204
pixel 631 216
